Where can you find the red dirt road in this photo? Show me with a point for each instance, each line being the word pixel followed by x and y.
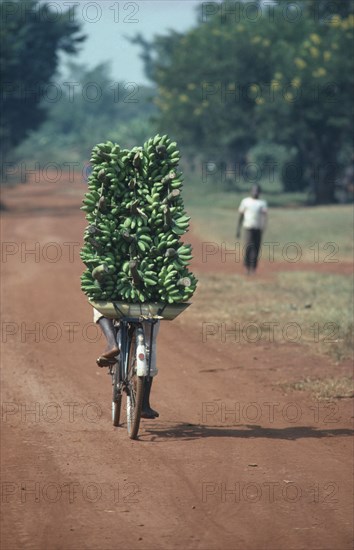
pixel 232 462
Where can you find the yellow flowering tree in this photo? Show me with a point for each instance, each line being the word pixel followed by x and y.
pixel 311 105
pixel 250 73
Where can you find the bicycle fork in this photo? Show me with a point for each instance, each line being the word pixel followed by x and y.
pixel 141 360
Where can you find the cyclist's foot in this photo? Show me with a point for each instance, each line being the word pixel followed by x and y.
pixel 149 413
pixel 110 352
pixel 105 362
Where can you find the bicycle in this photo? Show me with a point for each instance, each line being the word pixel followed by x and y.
pixel 133 364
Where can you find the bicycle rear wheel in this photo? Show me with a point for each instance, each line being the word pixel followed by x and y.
pixel 134 389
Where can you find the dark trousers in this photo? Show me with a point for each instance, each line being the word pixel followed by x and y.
pixel 253 239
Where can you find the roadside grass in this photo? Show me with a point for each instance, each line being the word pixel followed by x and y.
pixel 321 234
pixel 311 309
pixel 324 389
pixel 213 194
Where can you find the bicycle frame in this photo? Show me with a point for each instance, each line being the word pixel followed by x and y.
pixel 131 370
pixel 135 365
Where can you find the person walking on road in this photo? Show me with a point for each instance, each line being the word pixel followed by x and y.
pixel 252 217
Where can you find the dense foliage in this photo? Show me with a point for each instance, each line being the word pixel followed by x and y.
pixel 31 37
pixel 275 74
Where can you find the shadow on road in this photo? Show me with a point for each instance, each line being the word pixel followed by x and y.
pixel 195 431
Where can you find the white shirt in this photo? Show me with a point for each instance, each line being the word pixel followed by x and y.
pixel 254 211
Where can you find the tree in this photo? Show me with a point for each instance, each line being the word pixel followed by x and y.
pixel 203 79
pixel 309 106
pixel 31 35
pixel 241 77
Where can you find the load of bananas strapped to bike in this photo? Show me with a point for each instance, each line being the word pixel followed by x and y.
pixel 136 264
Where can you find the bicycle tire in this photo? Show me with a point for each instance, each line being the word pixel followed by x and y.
pixel 134 391
pixel 116 397
pixel 116 406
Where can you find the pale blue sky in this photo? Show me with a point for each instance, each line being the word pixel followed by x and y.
pixel 107 22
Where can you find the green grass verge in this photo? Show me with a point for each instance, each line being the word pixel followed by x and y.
pixel 310 309
pixel 324 389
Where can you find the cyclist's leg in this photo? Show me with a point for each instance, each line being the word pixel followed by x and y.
pixel 109 331
pixel 147 411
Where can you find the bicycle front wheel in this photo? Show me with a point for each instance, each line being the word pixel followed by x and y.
pixel 116 405
pixel 117 396
pixel 134 388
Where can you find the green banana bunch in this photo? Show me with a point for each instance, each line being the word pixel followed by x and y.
pixel 132 246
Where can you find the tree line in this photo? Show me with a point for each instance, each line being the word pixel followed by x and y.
pixel 266 83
